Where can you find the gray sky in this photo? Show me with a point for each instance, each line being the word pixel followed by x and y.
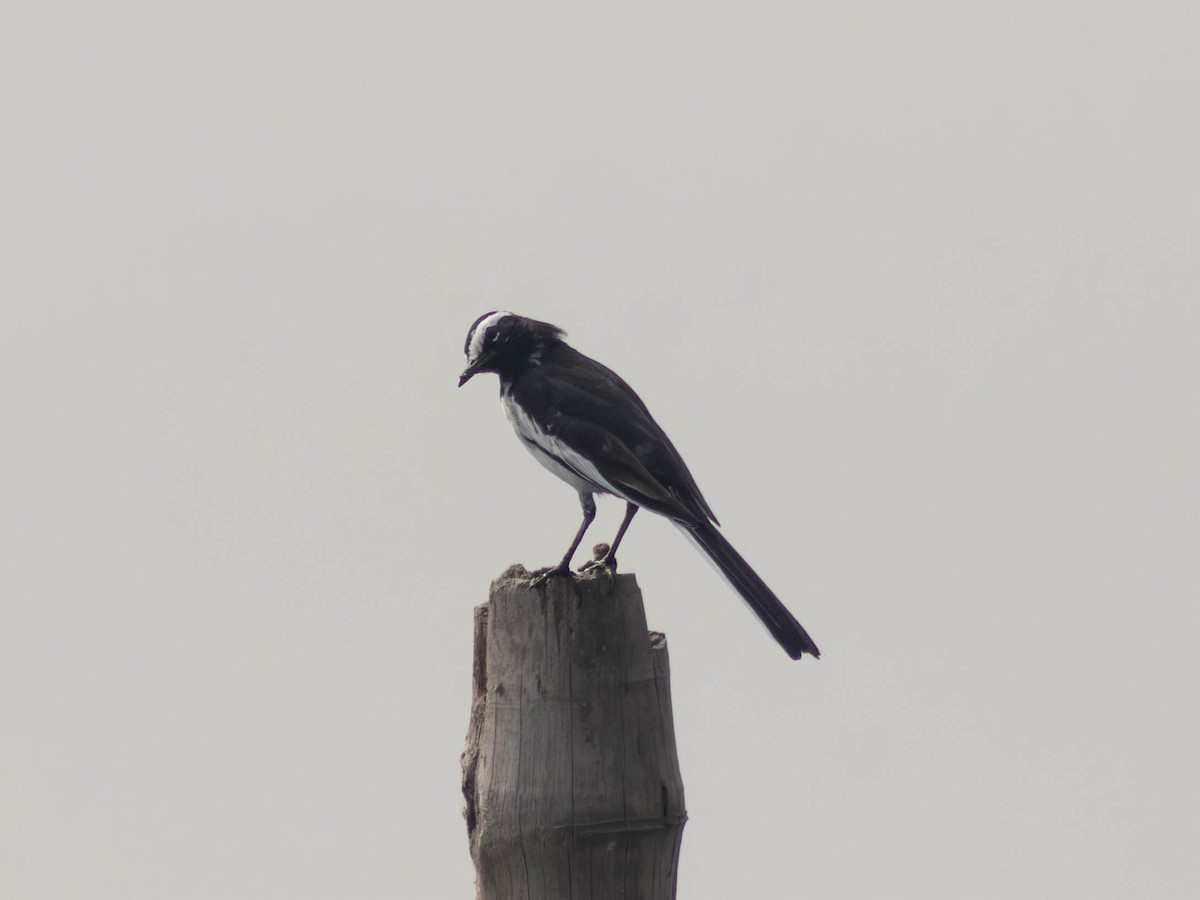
pixel 913 287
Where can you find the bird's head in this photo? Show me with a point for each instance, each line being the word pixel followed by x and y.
pixel 504 342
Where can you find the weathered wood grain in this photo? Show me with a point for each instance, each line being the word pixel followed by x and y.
pixel 570 773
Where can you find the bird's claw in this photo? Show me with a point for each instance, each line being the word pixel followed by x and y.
pixel 604 562
pixel 604 559
pixel 541 576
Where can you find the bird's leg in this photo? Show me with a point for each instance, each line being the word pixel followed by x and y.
pixel 609 559
pixel 588 505
pixel 630 510
pixel 564 567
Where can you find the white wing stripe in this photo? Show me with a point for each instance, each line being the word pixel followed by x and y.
pixel 551 452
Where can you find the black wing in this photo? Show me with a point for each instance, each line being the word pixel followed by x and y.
pixel 594 412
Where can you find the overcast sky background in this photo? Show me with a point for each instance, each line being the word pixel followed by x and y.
pixel 913 287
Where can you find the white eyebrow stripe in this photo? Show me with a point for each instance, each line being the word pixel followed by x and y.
pixel 480 332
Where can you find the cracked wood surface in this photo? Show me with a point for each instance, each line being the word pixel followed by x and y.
pixel 570 772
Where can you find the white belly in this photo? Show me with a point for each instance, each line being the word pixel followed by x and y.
pixel 549 450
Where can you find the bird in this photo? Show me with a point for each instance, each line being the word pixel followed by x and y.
pixel 582 422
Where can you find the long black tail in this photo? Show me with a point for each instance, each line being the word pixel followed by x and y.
pixel 760 598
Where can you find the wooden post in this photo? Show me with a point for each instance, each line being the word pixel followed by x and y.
pixel 570 772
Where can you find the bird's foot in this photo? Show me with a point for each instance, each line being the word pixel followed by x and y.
pixel 541 576
pixel 604 559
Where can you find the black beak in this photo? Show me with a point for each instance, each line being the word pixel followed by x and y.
pixel 470 370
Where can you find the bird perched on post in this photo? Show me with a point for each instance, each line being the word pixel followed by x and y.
pixel 581 421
